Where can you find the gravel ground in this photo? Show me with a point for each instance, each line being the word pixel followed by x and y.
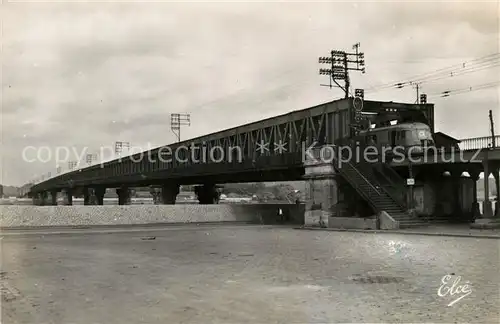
pixel 245 274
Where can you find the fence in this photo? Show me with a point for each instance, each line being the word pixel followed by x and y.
pixel 477 143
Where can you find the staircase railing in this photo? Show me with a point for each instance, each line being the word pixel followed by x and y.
pixel 364 178
pixel 392 181
pixel 346 167
pixel 388 180
pixel 390 189
pixel 345 170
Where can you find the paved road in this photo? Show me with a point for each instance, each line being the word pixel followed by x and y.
pixel 245 275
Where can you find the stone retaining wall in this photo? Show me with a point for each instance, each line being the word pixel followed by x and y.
pixel 352 223
pixel 36 216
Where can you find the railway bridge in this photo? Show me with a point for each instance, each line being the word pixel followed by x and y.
pixel 285 148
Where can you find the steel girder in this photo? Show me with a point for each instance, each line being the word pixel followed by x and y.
pixel 285 137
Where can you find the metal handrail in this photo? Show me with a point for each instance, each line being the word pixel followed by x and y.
pixel 361 175
pixel 365 195
pixel 391 195
pixel 392 176
pixel 393 172
pixel 398 186
pixel 477 143
pixel 364 178
pixel 398 200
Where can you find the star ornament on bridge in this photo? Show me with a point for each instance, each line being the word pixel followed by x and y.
pixel 280 147
pixel 262 147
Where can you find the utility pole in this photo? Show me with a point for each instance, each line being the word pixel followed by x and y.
pixel 178 120
pixel 339 67
pixel 72 165
pixel 493 144
pixel 346 76
pixel 421 98
pixel 119 147
pixel 417 86
pixel 92 157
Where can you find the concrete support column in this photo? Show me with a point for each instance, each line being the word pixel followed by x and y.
pixel 207 194
pixel 476 213
pixel 415 171
pixel 156 194
pixel 169 193
pixel 321 192
pixel 123 196
pixel 456 194
pixel 93 197
pixel 345 195
pixel 38 199
pixel 43 198
pixel 497 187
pixel 68 197
pixel 53 197
pixel 99 195
pixel 60 196
pixel 487 208
pixel 86 196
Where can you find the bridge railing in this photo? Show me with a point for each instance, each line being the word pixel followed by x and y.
pixel 477 143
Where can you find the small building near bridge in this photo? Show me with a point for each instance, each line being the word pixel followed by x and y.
pixel 447 142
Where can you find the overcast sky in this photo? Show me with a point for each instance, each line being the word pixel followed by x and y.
pixel 87 75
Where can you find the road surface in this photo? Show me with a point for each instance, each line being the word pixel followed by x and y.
pixel 245 274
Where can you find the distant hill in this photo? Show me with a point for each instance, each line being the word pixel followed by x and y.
pixel 9 191
pixel 298 185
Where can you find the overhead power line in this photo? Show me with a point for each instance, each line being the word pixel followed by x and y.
pixel 437 77
pixel 448 93
pixel 471 66
pixel 461 72
pixel 450 69
pixel 445 70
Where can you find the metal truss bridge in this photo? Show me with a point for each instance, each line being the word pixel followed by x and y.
pixel 267 150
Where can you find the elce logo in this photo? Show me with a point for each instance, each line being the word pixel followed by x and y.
pixel 455 289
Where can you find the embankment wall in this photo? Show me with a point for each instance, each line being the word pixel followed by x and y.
pixel 38 216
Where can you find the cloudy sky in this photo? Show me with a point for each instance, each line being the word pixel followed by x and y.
pixel 86 75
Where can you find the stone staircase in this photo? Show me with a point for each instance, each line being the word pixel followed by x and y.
pixel 380 190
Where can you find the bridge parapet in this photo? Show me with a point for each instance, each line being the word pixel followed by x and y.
pixel 477 143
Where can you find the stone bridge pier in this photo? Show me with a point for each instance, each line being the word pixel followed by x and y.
pixel 99 195
pixel 53 197
pixel 166 194
pixel 124 194
pixel 207 194
pixel 156 194
pixel 67 196
pixel 91 196
pixel 490 168
pixel 88 194
pixel 321 191
pixel 40 199
pixel 475 210
pixel 169 193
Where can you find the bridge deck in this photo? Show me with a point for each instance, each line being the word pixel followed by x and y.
pixel 470 156
pixel 286 139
